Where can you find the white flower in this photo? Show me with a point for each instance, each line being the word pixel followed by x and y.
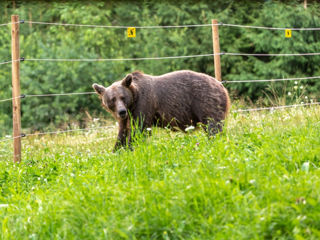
pixel 301 87
pixel 149 129
pixel 252 181
pixel 295 87
pixel 306 97
pixel 295 82
pixel 305 166
pixel 289 93
pixel 189 128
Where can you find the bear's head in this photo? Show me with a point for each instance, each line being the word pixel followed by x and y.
pixel 117 98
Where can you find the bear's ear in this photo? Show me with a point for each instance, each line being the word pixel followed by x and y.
pixel 98 88
pixel 127 80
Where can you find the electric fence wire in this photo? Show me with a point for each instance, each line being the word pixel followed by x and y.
pixel 67 131
pixel 271 28
pixel 225 81
pixel 168 57
pixel 48 95
pixel 270 54
pixel 9 138
pixel 1 63
pixel 275 107
pixel 55 132
pixel 10 99
pixel 117 59
pixel 270 80
pixel 169 26
pixel 4 24
pixel 11 61
pixel 9 23
pixel 160 58
pixel 119 27
pixel 58 94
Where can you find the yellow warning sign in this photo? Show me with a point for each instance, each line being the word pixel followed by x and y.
pixel 131 32
pixel 288 33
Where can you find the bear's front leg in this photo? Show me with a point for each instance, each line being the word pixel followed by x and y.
pixel 124 137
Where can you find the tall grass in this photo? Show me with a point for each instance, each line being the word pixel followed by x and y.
pixel 259 179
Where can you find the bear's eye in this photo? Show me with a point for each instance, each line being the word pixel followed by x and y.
pixel 122 98
pixel 113 99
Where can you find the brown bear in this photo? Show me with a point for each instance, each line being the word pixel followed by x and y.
pixel 177 99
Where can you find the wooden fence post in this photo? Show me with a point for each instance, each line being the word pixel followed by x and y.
pixel 16 117
pixel 216 49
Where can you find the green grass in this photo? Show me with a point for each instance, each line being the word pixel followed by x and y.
pixel 259 179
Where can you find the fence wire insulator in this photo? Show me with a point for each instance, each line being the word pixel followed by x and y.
pixel 22 59
pixel 23 135
pixel 22 96
pixel 21 21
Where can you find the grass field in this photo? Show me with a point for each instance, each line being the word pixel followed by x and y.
pixel 259 179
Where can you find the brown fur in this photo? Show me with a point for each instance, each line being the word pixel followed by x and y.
pixel 176 99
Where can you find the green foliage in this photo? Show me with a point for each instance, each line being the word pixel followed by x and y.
pixel 257 180
pixel 49 41
pixel 262 41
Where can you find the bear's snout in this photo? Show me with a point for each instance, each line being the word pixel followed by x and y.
pixel 122 113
